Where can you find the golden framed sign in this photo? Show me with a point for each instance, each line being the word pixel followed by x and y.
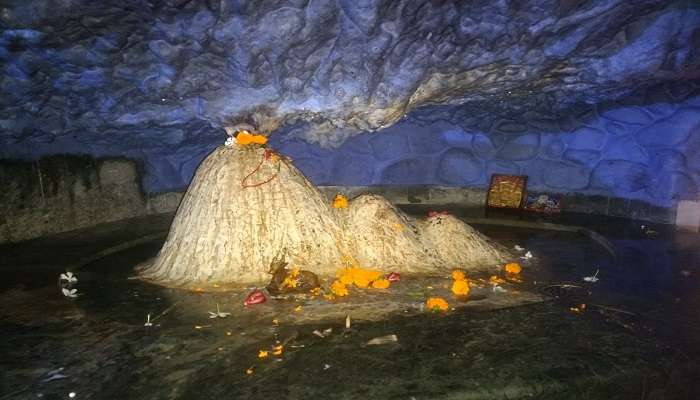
pixel 506 191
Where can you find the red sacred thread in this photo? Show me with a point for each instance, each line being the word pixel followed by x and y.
pixel 266 156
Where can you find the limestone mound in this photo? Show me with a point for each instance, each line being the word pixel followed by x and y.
pixel 245 207
pixel 224 233
pixel 461 246
pixel 384 238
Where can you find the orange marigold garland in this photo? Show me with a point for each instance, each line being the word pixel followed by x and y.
pixel 362 278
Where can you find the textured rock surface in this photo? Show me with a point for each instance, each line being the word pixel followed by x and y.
pixel 152 78
pixel 60 193
pixel 589 158
pixel 458 90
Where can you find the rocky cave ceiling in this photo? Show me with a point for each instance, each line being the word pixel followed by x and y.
pixel 141 74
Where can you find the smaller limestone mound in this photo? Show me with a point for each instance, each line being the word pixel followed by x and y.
pixel 459 245
pixel 384 238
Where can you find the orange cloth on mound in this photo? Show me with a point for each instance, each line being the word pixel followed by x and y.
pixel 246 138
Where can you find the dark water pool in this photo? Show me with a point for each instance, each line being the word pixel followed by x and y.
pixel 637 338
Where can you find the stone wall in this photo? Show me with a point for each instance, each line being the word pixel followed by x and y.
pixel 649 153
pixel 64 192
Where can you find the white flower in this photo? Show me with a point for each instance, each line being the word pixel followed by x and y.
pixel 527 256
pixel 72 293
pixel 230 141
pixel 323 334
pixel 518 248
pixel 218 314
pixel 69 277
pixel 593 278
pixel 148 321
pixel 498 289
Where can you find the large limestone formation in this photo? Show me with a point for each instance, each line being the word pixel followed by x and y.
pixel 246 206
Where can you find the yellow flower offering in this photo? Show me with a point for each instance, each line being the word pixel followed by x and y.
pixel 361 277
pixel 245 138
pixel 436 304
pixel 458 275
pixel 340 201
pixel 513 268
pixel 460 287
pixel 339 289
pixel 362 281
pixel 292 279
pixel 278 350
pixel 263 354
pixel 381 284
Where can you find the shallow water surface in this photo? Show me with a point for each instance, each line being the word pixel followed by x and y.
pixel 637 337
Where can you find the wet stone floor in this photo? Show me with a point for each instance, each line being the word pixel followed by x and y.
pixel 638 336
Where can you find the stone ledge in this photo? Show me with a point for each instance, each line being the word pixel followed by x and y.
pixel 476 198
pixel 473 198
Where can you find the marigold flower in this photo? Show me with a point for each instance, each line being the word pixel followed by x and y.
pixel 436 304
pixel 513 268
pixel 290 281
pixel 458 275
pixel 278 350
pixel 381 284
pixel 361 281
pixel 245 138
pixel 347 277
pixel 340 201
pixel 460 287
pixel 360 277
pixel 339 289
pixel 263 354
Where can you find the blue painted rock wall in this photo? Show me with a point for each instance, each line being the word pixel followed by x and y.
pixel 649 153
pixel 157 81
pixel 153 79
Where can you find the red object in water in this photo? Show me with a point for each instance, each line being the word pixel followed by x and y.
pixel 255 297
pixel 437 213
pixel 393 277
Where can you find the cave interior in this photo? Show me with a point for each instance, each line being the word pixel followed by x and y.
pixel 107 109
